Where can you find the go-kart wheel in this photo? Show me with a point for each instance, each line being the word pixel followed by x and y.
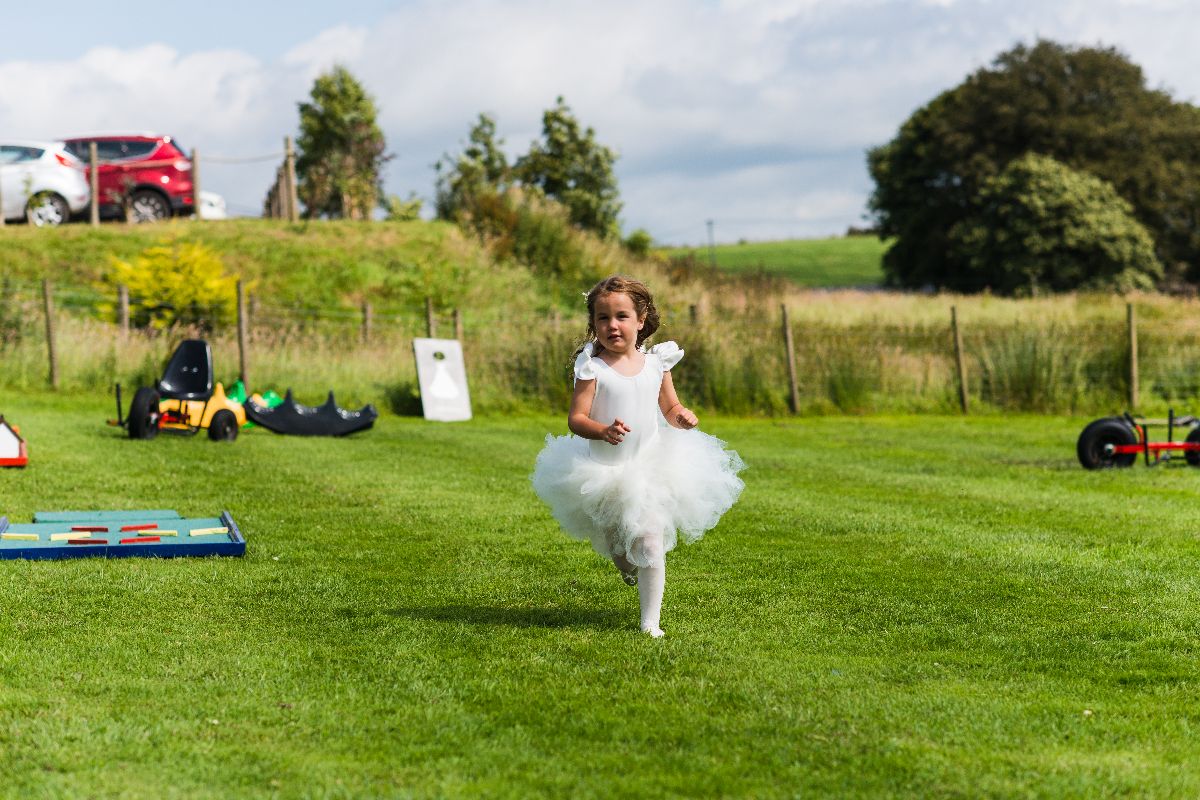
pixel 143 414
pixel 1096 437
pixel 223 427
pixel 1193 456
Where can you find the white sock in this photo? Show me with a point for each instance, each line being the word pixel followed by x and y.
pixel 651 583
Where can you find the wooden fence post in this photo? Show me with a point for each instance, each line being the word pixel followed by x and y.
pixel 366 322
pixel 791 360
pixel 277 210
pixel 48 301
pixel 430 322
pixel 123 308
pixel 196 183
pixel 959 361
pixel 458 325
pixel 693 313
pixel 1131 316
pixel 94 182
pixel 242 325
pixel 293 202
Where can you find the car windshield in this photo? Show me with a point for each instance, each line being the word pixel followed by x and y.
pixel 12 154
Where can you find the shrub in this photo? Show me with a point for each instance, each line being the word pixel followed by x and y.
pixel 639 242
pixel 175 283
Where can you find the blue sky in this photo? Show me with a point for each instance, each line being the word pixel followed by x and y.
pixel 755 114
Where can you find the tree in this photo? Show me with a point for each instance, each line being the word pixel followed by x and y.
pixel 341 149
pixel 1043 226
pixel 480 169
pixel 569 166
pixel 1087 108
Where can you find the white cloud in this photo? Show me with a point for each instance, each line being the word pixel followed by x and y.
pixel 757 112
pixel 337 45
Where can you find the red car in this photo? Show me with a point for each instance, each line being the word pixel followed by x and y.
pixel 143 177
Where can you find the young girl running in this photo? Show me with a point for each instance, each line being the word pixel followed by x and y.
pixel 626 481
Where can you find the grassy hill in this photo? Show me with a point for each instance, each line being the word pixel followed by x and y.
pixel 837 262
pixel 308 263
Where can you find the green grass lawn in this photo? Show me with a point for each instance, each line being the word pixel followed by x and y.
pixel 853 261
pixel 912 606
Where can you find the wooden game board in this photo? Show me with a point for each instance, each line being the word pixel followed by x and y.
pixel 120 534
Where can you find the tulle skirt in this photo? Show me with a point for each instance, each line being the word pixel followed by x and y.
pixel 680 483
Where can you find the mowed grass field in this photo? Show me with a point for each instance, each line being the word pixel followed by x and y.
pixel 898 606
pixel 837 262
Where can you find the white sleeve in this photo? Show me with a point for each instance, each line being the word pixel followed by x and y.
pixel 668 353
pixel 584 370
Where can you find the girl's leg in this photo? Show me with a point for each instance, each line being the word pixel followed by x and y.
pixel 652 581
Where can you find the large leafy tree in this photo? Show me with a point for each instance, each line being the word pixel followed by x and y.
pixel 341 149
pixel 1043 226
pixel 1088 108
pixel 481 169
pixel 570 166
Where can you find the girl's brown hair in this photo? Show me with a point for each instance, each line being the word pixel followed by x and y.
pixel 643 305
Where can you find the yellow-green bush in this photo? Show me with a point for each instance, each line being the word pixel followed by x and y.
pixel 176 283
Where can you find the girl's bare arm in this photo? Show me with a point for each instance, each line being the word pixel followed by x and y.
pixel 581 424
pixel 672 409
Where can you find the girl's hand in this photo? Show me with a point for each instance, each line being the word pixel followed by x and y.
pixel 615 433
pixel 683 417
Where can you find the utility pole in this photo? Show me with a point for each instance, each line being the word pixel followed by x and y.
pixel 712 253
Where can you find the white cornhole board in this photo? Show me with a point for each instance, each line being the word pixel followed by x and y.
pixel 442 376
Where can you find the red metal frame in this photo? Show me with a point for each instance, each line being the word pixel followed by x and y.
pixel 1155 447
pixel 1147 447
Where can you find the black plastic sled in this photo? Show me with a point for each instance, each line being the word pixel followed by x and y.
pixel 294 419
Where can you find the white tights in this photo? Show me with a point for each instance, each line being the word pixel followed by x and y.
pixel 652 580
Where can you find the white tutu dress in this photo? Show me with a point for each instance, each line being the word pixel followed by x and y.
pixel 658 480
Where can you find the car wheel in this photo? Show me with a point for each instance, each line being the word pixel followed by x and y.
pixel 143 414
pixel 47 209
pixel 147 206
pixel 223 426
pixel 1093 442
pixel 1193 456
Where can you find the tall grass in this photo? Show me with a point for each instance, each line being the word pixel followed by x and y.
pixel 859 354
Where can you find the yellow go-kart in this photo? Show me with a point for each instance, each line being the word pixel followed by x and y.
pixel 185 400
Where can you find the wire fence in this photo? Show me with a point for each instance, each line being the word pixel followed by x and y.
pixel 738 360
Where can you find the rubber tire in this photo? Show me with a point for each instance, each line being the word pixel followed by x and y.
pixel 143 414
pixel 1110 430
pixel 47 210
pixel 223 426
pixel 146 205
pixel 1191 456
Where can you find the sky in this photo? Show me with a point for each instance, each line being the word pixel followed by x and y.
pixel 754 115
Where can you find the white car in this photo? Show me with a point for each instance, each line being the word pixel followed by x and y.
pixel 41 182
pixel 212 206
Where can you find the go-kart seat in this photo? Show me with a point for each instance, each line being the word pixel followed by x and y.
pixel 189 373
